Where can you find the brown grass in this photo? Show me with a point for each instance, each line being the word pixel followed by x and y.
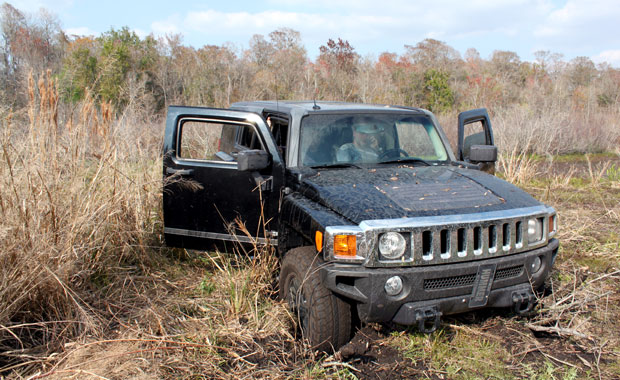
pixel 550 130
pixel 75 201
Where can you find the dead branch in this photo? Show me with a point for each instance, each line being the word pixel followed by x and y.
pixel 558 330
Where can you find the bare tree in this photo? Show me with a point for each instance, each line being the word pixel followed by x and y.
pixel 27 43
pixel 431 53
pixel 337 67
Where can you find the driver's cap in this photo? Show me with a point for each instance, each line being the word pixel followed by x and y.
pixel 367 126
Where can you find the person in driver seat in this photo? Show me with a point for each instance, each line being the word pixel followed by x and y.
pixel 366 145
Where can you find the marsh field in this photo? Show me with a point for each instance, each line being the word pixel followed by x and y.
pixel 88 290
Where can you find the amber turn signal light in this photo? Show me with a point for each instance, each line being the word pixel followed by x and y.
pixel 345 245
pixel 318 241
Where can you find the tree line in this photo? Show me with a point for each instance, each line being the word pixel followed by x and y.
pixel 120 68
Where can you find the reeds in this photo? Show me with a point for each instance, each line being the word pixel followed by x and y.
pixel 76 197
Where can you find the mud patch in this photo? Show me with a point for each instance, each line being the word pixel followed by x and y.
pixel 370 353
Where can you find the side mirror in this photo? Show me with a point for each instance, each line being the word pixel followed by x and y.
pixel 483 153
pixel 252 160
pixel 471 140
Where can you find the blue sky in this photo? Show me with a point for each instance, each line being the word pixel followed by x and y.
pixel 571 27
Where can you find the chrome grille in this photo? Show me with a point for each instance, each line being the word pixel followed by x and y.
pixel 473 241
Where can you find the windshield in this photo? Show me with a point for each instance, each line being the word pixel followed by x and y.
pixel 328 139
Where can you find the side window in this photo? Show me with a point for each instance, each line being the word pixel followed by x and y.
pixel 248 138
pixel 208 140
pixel 278 124
pixel 199 140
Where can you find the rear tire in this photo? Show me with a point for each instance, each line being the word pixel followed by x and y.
pixel 323 317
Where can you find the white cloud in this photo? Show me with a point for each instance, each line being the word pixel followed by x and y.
pixel 35 5
pixel 370 26
pixel 580 20
pixel 169 26
pixel 81 31
pixel 214 22
pixel 610 56
pixel 365 21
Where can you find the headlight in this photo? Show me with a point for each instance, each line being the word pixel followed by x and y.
pixel 393 286
pixel 536 264
pixel 392 245
pixel 534 230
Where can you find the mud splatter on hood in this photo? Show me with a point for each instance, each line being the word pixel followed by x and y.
pixel 406 191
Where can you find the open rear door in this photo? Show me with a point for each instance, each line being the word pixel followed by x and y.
pixel 205 195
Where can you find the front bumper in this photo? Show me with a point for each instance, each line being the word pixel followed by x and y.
pixel 445 289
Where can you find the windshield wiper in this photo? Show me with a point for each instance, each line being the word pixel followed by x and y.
pixel 337 165
pixel 406 159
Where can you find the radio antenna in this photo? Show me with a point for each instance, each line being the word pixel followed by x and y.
pixel 277 103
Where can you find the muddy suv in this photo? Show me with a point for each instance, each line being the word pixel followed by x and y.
pixel 373 215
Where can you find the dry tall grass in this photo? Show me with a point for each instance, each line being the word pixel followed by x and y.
pixel 549 129
pixel 201 314
pixel 78 195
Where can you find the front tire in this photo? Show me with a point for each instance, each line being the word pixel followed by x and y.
pixel 323 317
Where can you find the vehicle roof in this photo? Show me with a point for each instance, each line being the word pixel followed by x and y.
pixel 310 106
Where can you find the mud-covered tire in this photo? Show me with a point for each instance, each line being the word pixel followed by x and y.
pixel 324 318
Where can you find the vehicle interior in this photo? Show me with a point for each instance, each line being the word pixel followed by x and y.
pixel 409 136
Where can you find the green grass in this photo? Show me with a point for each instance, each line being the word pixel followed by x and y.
pixel 613 173
pixel 206 286
pixel 320 371
pixel 576 157
pixel 469 355
pixel 548 371
pixel 456 354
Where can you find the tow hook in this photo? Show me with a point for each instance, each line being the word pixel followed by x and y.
pixel 523 302
pixel 428 319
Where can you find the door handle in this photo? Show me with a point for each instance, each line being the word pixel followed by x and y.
pixel 180 172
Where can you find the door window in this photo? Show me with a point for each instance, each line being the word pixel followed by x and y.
pixel 209 140
pixel 199 140
pixel 278 124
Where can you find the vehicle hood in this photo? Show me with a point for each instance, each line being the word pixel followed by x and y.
pixel 406 191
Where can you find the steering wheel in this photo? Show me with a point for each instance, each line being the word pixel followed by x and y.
pixel 393 153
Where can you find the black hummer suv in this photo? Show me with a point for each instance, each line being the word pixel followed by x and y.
pixel 372 213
